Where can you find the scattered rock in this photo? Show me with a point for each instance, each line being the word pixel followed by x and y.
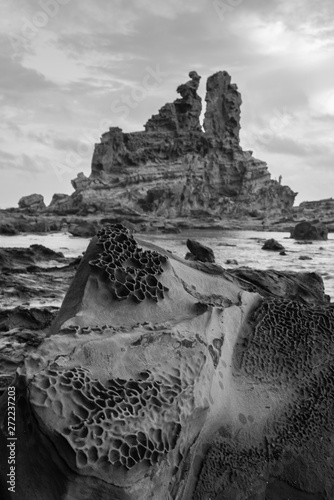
pixel 199 252
pixel 62 204
pixel 83 230
pixel 23 318
pixel 272 244
pixel 7 229
pixel 32 202
pixel 36 276
pixel 308 231
pixel 305 286
pixel 19 259
pixel 42 252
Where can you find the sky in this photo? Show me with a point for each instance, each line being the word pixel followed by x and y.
pixel 71 69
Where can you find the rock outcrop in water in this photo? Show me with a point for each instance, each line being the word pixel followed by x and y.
pixel 307 231
pixel 175 174
pixel 174 169
pixel 167 379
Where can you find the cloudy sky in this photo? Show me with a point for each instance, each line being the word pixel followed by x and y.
pixel 70 69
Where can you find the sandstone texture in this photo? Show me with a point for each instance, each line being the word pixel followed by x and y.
pixel 320 210
pixel 166 379
pixel 175 169
pixel 33 202
pixel 308 231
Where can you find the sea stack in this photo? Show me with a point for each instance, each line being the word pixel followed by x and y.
pixel 176 168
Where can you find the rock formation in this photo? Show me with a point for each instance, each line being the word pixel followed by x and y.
pixel 175 169
pixel 32 202
pixel 272 244
pixel 308 231
pixel 163 379
pixel 199 252
pixel 183 114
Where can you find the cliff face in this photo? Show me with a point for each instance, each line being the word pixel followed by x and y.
pixel 175 169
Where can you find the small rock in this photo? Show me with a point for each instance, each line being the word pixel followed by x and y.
pixel 232 261
pixel 273 245
pixel 83 230
pixel 200 252
pixel 305 257
pixel 282 253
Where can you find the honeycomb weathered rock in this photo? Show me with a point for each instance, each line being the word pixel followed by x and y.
pixel 133 272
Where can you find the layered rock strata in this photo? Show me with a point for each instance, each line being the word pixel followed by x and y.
pixel 176 169
pixel 196 389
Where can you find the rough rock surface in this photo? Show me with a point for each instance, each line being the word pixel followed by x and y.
pixel 33 283
pixel 183 114
pixel 272 244
pixel 83 229
pixel 176 169
pixel 13 221
pixel 165 379
pixel 322 210
pixel 35 275
pixel 32 202
pixel 21 259
pixel 308 231
pixel 199 252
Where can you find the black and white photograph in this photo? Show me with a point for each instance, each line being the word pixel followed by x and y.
pixel 167 250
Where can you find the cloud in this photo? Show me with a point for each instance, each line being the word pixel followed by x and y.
pixel 5 156
pixel 22 163
pixel 65 85
pixel 284 145
pixel 17 81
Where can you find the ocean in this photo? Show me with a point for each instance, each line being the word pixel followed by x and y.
pixel 241 246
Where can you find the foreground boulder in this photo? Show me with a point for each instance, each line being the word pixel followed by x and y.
pixel 199 252
pixel 309 231
pixel 166 379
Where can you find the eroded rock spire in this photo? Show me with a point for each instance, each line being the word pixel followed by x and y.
pixel 184 113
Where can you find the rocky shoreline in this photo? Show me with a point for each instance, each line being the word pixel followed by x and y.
pixel 174 175
pixel 16 221
pixel 246 353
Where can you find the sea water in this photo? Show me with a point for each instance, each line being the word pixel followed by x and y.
pixel 242 246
